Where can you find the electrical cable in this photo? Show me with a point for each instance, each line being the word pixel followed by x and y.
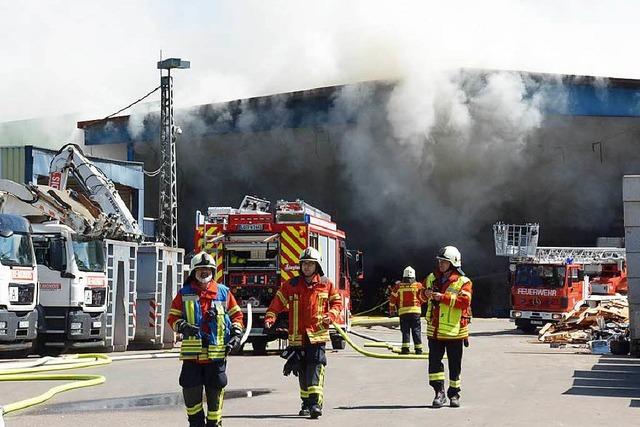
pixel 133 103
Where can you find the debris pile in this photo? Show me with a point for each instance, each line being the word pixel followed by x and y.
pixel 606 321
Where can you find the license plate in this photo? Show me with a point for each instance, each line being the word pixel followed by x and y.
pixel 537 322
pixel 23 324
pixel 87 296
pixel 97 324
pixel 13 294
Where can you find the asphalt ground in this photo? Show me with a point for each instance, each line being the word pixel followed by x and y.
pixel 507 379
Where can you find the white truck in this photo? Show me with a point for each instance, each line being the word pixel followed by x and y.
pixel 18 287
pixel 69 238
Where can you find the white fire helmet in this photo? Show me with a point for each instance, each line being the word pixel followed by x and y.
pixel 312 254
pixel 204 260
pixel 409 273
pixel 451 254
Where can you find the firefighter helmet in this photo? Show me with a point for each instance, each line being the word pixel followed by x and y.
pixel 409 272
pixel 451 254
pixel 312 254
pixel 202 260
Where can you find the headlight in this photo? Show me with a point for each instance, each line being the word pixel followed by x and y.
pixel 3 325
pixel 517 314
pixel 556 316
pixel 76 325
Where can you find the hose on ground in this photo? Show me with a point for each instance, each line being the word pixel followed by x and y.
pixel 378 355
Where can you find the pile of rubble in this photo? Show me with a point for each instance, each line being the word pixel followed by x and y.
pixel 606 320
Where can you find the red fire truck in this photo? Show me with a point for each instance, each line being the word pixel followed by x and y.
pixel 548 282
pixel 256 251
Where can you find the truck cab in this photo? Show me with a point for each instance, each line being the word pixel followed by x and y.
pixel 257 251
pixel 73 291
pixel 542 293
pixel 18 287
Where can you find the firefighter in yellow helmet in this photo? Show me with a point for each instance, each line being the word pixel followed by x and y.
pixel 206 314
pixel 449 293
pixel 406 300
pixel 312 302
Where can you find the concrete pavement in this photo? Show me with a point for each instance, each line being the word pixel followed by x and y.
pixel 506 380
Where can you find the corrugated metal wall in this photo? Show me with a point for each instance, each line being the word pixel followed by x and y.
pixel 12 163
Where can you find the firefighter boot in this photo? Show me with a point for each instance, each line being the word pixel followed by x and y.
pixel 315 411
pixel 454 401
pixel 214 423
pixel 418 351
pixel 404 350
pixel 304 409
pixel 440 400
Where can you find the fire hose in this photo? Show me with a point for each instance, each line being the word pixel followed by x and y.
pixel 377 355
pixel 33 373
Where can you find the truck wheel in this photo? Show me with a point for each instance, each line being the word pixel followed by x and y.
pixel 337 342
pixel 259 346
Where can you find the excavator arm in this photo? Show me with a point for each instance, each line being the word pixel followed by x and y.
pixel 99 188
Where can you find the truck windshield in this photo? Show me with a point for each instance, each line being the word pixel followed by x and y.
pixel 16 250
pixel 544 276
pixel 89 254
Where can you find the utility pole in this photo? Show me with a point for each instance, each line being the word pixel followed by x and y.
pixel 168 209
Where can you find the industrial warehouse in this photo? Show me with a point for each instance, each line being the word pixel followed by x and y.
pixel 428 243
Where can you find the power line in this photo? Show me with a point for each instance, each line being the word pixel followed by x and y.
pixel 133 103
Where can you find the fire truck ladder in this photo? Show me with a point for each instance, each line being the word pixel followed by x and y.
pixel 552 255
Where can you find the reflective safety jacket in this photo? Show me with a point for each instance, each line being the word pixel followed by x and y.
pixel 306 305
pixel 448 319
pixel 406 298
pixel 192 304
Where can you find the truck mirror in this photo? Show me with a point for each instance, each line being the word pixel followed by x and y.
pixel 6 233
pixel 359 265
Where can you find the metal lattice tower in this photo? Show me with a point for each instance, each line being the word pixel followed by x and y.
pixel 168 209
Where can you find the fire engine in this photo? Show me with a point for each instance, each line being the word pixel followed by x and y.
pixel 548 282
pixel 256 251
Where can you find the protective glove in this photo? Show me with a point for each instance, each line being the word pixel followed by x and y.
pixel 268 324
pixel 293 357
pixel 186 329
pixel 234 340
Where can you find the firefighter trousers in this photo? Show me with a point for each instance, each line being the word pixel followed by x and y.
pixel 213 378
pixel 410 326
pixel 453 349
pixel 311 375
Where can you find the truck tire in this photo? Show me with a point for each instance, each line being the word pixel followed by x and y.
pixel 259 346
pixel 337 342
pixel 528 328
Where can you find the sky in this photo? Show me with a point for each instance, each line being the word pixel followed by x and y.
pixel 93 57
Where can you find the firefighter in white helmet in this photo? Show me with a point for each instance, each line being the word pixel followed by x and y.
pixel 312 302
pixel 406 300
pixel 449 293
pixel 206 314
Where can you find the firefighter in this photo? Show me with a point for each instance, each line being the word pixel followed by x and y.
pixel 448 315
pixel 406 300
pixel 206 314
pixel 312 302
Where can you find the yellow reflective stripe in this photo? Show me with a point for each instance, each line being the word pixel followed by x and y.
pixel 295 243
pixel 238 324
pixel 417 346
pixel 406 345
pixel 295 335
pixel 437 376
pixel 335 297
pixel 220 322
pixel 407 310
pixel 282 299
pixel 454 383
pixel 233 310
pixel 304 393
pixel 321 335
pixel 286 250
pixel 175 312
pixel 192 410
pixel 452 300
pixel 189 302
pixel 217 414
pixel 270 314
